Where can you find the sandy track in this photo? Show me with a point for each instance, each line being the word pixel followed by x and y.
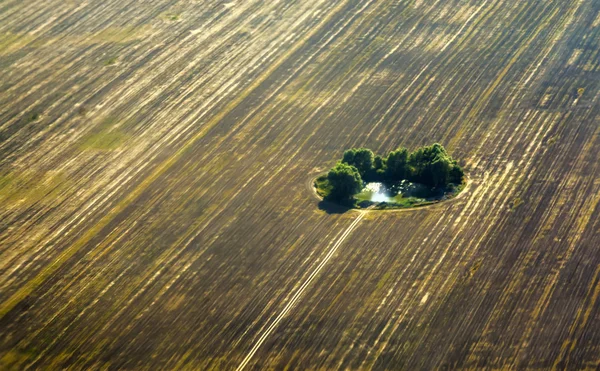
pixel 262 336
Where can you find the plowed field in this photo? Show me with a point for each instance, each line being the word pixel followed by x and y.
pixel 156 158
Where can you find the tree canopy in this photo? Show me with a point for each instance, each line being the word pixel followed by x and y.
pixel 429 165
pixel 433 166
pixel 397 164
pixel 345 181
pixel 361 158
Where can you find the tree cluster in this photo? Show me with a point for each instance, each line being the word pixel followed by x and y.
pixel 431 166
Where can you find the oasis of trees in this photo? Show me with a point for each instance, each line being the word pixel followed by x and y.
pixel 430 166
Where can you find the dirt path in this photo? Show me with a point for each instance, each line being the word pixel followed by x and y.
pixel 263 335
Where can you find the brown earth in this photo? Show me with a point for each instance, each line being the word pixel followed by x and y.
pixel 154 156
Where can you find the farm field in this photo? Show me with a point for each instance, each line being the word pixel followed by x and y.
pixel 156 162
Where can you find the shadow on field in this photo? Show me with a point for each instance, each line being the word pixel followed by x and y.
pixel 332 208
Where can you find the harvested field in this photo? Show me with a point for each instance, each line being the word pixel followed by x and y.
pixel 155 157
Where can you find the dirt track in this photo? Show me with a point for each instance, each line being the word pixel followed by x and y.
pixel 154 212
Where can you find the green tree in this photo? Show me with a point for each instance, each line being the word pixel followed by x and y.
pixel 456 174
pixel 378 173
pixel 397 165
pixel 379 163
pixel 432 166
pixel 438 171
pixel 345 181
pixel 360 158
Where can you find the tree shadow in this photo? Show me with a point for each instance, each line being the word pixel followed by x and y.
pixel 333 208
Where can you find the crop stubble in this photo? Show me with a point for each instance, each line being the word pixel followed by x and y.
pixel 183 239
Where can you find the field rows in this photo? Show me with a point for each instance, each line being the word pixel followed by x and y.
pixel 153 179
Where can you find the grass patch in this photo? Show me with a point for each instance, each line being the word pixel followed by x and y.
pixel 27 188
pixel 5 183
pixel 365 195
pixel 173 17
pixel 322 186
pixel 107 136
pixel 120 35
pixel 10 42
pixel 14 359
pixel 103 141
pixel 111 61
pixel 403 203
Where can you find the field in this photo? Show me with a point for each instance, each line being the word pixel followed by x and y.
pixel 156 160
